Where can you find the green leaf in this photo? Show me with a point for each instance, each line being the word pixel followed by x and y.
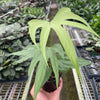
pixel 39 78
pixel 6 73
pixel 22 59
pixel 26 51
pixel 83 62
pixel 47 75
pixel 64 15
pixel 35 60
pixel 67 45
pixel 54 65
pixel 12 72
pixel 33 26
pixel 58 49
pixel 67 65
pixel 19 69
pixel 25 54
pixel 43 39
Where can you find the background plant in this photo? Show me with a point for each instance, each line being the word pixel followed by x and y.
pixel 93 41
pixel 33 12
pixel 8 70
pixel 13 39
pixel 95 23
pixel 89 10
pixel 7 5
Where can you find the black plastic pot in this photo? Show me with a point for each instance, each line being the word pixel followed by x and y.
pixel 50 85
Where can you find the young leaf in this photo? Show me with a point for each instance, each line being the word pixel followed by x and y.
pixel 54 63
pixel 33 26
pixel 43 39
pixel 39 78
pixel 66 17
pixel 35 60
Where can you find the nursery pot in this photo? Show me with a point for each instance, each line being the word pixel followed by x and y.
pixel 50 85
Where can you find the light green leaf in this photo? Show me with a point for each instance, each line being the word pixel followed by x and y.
pixel 54 63
pixel 34 61
pixel 43 39
pixel 67 65
pixel 47 75
pixel 39 78
pixel 66 17
pixel 67 45
pixel 33 26
pixel 6 73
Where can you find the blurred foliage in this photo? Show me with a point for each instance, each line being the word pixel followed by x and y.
pixel 14 37
pixel 7 5
pixel 8 70
pixel 85 9
pixel 40 2
pixel 95 23
pixel 88 9
pixel 33 12
pixel 93 41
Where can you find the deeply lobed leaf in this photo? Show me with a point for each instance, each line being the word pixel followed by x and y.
pixel 63 17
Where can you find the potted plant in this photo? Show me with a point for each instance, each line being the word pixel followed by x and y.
pixel 57 57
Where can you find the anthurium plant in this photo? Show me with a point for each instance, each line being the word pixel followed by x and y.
pixel 57 57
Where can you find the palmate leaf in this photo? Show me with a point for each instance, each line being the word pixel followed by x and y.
pixel 66 17
pixel 43 72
